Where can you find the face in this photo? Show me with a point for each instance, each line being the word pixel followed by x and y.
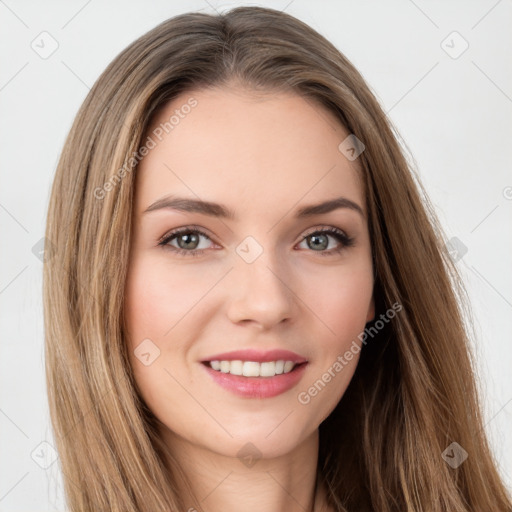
pixel 251 279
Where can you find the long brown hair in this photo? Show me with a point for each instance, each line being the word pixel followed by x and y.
pixel 413 393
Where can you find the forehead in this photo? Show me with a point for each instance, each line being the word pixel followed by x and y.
pixel 258 154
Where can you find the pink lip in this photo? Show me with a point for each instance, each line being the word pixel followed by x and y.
pixel 258 356
pixel 256 387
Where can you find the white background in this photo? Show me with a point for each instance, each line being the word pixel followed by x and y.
pixel 454 115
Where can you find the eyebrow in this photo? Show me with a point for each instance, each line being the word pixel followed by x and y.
pixel 184 204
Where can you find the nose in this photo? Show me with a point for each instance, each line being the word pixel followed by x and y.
pixel 261 293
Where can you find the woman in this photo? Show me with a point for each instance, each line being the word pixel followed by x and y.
pixel 249 302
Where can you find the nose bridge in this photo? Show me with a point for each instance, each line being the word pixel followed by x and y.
pixel 261 290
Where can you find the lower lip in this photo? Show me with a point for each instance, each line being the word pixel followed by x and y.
pixel 257 387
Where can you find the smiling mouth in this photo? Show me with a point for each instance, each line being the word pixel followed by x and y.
pixel 254 368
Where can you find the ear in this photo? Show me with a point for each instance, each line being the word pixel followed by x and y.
pixel 371 311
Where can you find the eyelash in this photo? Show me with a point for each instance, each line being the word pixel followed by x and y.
pixel 340 236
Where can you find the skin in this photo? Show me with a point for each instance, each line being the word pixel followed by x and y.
pixel 263 156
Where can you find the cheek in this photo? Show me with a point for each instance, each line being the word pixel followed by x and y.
pixel 156 300
pixel 158 297
pixel 341 300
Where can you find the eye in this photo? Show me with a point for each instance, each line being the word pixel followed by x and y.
pixel 187 240
pixel 319 240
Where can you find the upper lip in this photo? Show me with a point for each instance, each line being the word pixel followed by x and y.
pixel 258 356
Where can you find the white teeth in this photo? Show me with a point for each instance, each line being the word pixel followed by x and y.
pixel 253 368
pixel 236 368
pixel 268 369
pixel 288 366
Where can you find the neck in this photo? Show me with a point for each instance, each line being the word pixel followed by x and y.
pixel 220 483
